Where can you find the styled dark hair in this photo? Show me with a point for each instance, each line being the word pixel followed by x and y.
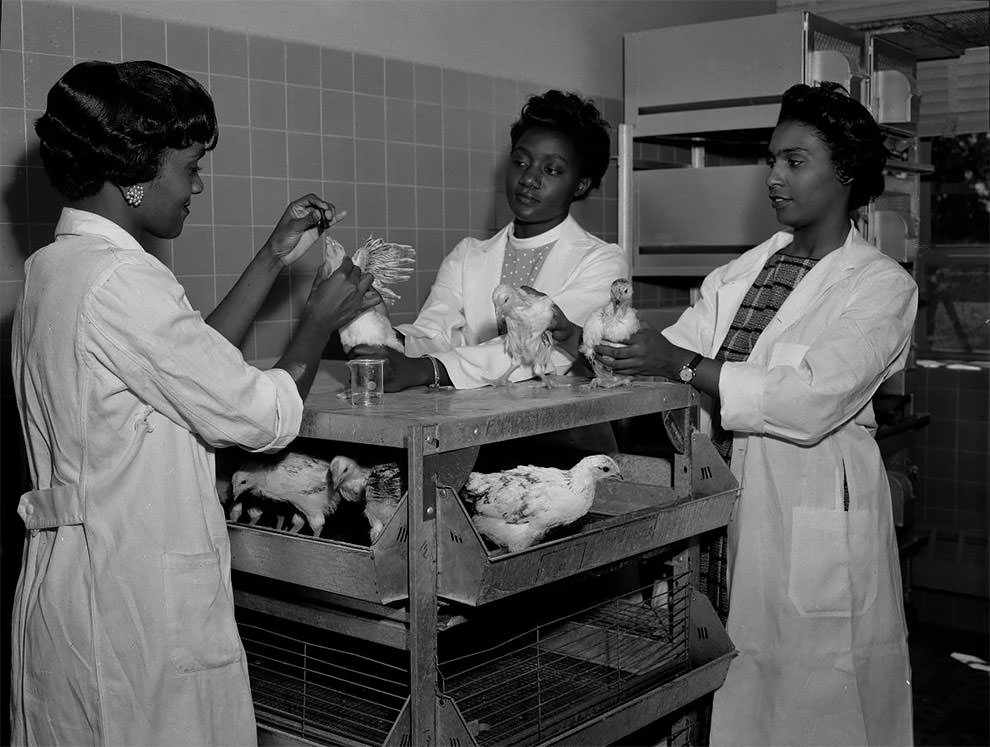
pixel 848 129
pixel 575 117
pixel 112 122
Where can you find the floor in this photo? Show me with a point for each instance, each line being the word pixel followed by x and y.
pixel 951 701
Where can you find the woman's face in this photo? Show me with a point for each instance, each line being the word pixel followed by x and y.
pixel 804 188
pixel 166 198
pixel 542 180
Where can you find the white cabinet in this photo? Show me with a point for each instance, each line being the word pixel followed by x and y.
pixel 716 88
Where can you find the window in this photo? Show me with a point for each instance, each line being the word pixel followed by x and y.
pixel 954 273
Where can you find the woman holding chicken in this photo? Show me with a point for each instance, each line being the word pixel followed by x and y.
pixel 123 626
pixel 559 154
pixel 791 341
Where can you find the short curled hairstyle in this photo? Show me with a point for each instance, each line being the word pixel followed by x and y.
pixel 113 122
pixel 848 129
pixel 578 119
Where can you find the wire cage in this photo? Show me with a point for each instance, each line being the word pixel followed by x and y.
pixel 340 688
pixel 713 566
pixel 573 668
pixel 333 689
pixel 520 691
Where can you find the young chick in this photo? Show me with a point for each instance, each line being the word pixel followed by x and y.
pixel 388 263
pixel 526 317
pixel 515 508
pixel 379 486
pixel 295 478
pixel 614 323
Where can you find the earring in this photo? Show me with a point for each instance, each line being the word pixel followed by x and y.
pixel 133 195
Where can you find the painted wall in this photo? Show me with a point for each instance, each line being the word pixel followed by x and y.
pixel 575 43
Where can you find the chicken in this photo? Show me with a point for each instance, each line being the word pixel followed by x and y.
pixel 298 479
pixel 614 323
pixel 254 511
pixel 527 317
pixel 379 486
pixel 389 264
pixel 515 508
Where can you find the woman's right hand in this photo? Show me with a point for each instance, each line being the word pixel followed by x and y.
pixel 296 231
pixel 338 298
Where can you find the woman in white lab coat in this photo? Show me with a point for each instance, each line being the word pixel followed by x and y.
pixel 123 626
pixel 559 153
pixel 791 341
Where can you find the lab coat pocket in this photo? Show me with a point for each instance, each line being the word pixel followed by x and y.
pixel 201 629
pixel 787 354
pixel 833 562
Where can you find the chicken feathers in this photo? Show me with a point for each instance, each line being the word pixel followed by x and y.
pixel 379 486
pixel 389 264
pixel 526 317
pixel 298 479
pixel 614 323
pixel 515 508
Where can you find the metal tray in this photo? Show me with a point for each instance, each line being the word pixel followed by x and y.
pixel 644 511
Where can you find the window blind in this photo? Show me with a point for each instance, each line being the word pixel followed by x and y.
pixel 955 94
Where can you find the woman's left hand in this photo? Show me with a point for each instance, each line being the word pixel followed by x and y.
pixel 648 353
pixel 289 240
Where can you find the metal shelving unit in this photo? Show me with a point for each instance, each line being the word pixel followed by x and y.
pixel 405 642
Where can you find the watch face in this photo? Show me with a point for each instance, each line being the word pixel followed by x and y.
pixel 687 374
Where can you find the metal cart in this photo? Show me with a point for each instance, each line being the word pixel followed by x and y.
pixel 348 643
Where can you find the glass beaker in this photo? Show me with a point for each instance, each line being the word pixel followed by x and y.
pixel 367 381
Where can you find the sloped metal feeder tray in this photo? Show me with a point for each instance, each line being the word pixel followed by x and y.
pixel 375 573
pixel 651 507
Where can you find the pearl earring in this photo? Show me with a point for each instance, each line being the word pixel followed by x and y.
pixel 133 195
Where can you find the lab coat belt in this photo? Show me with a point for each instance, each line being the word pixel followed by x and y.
pixel 49 508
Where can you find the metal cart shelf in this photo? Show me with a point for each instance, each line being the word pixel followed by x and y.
pixel 430 570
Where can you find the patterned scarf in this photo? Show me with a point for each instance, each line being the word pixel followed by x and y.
pixel 778 278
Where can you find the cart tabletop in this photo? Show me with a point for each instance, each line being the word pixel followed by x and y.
pixel 461 418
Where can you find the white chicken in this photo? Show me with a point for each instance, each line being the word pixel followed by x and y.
pixel 299 479
pixel 515 508
pixel 613 323
pixel 379 486
pixel 527 317
pixel 388 263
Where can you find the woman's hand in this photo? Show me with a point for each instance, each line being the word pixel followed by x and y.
pixel 337 299
pixel 401 371
pixel 297 229
pixel 648 353
pixel 566 334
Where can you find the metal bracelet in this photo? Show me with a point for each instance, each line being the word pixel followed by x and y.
pixel 436 373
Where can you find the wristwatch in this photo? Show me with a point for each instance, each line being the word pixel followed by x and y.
pixel 688 370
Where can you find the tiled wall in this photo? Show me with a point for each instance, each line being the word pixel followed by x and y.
pixel 413 152
pixel 954 468
pixel 953 498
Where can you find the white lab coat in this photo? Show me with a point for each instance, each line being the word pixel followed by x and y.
pixel 123 625
pixel 815 591
pixel 457 323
